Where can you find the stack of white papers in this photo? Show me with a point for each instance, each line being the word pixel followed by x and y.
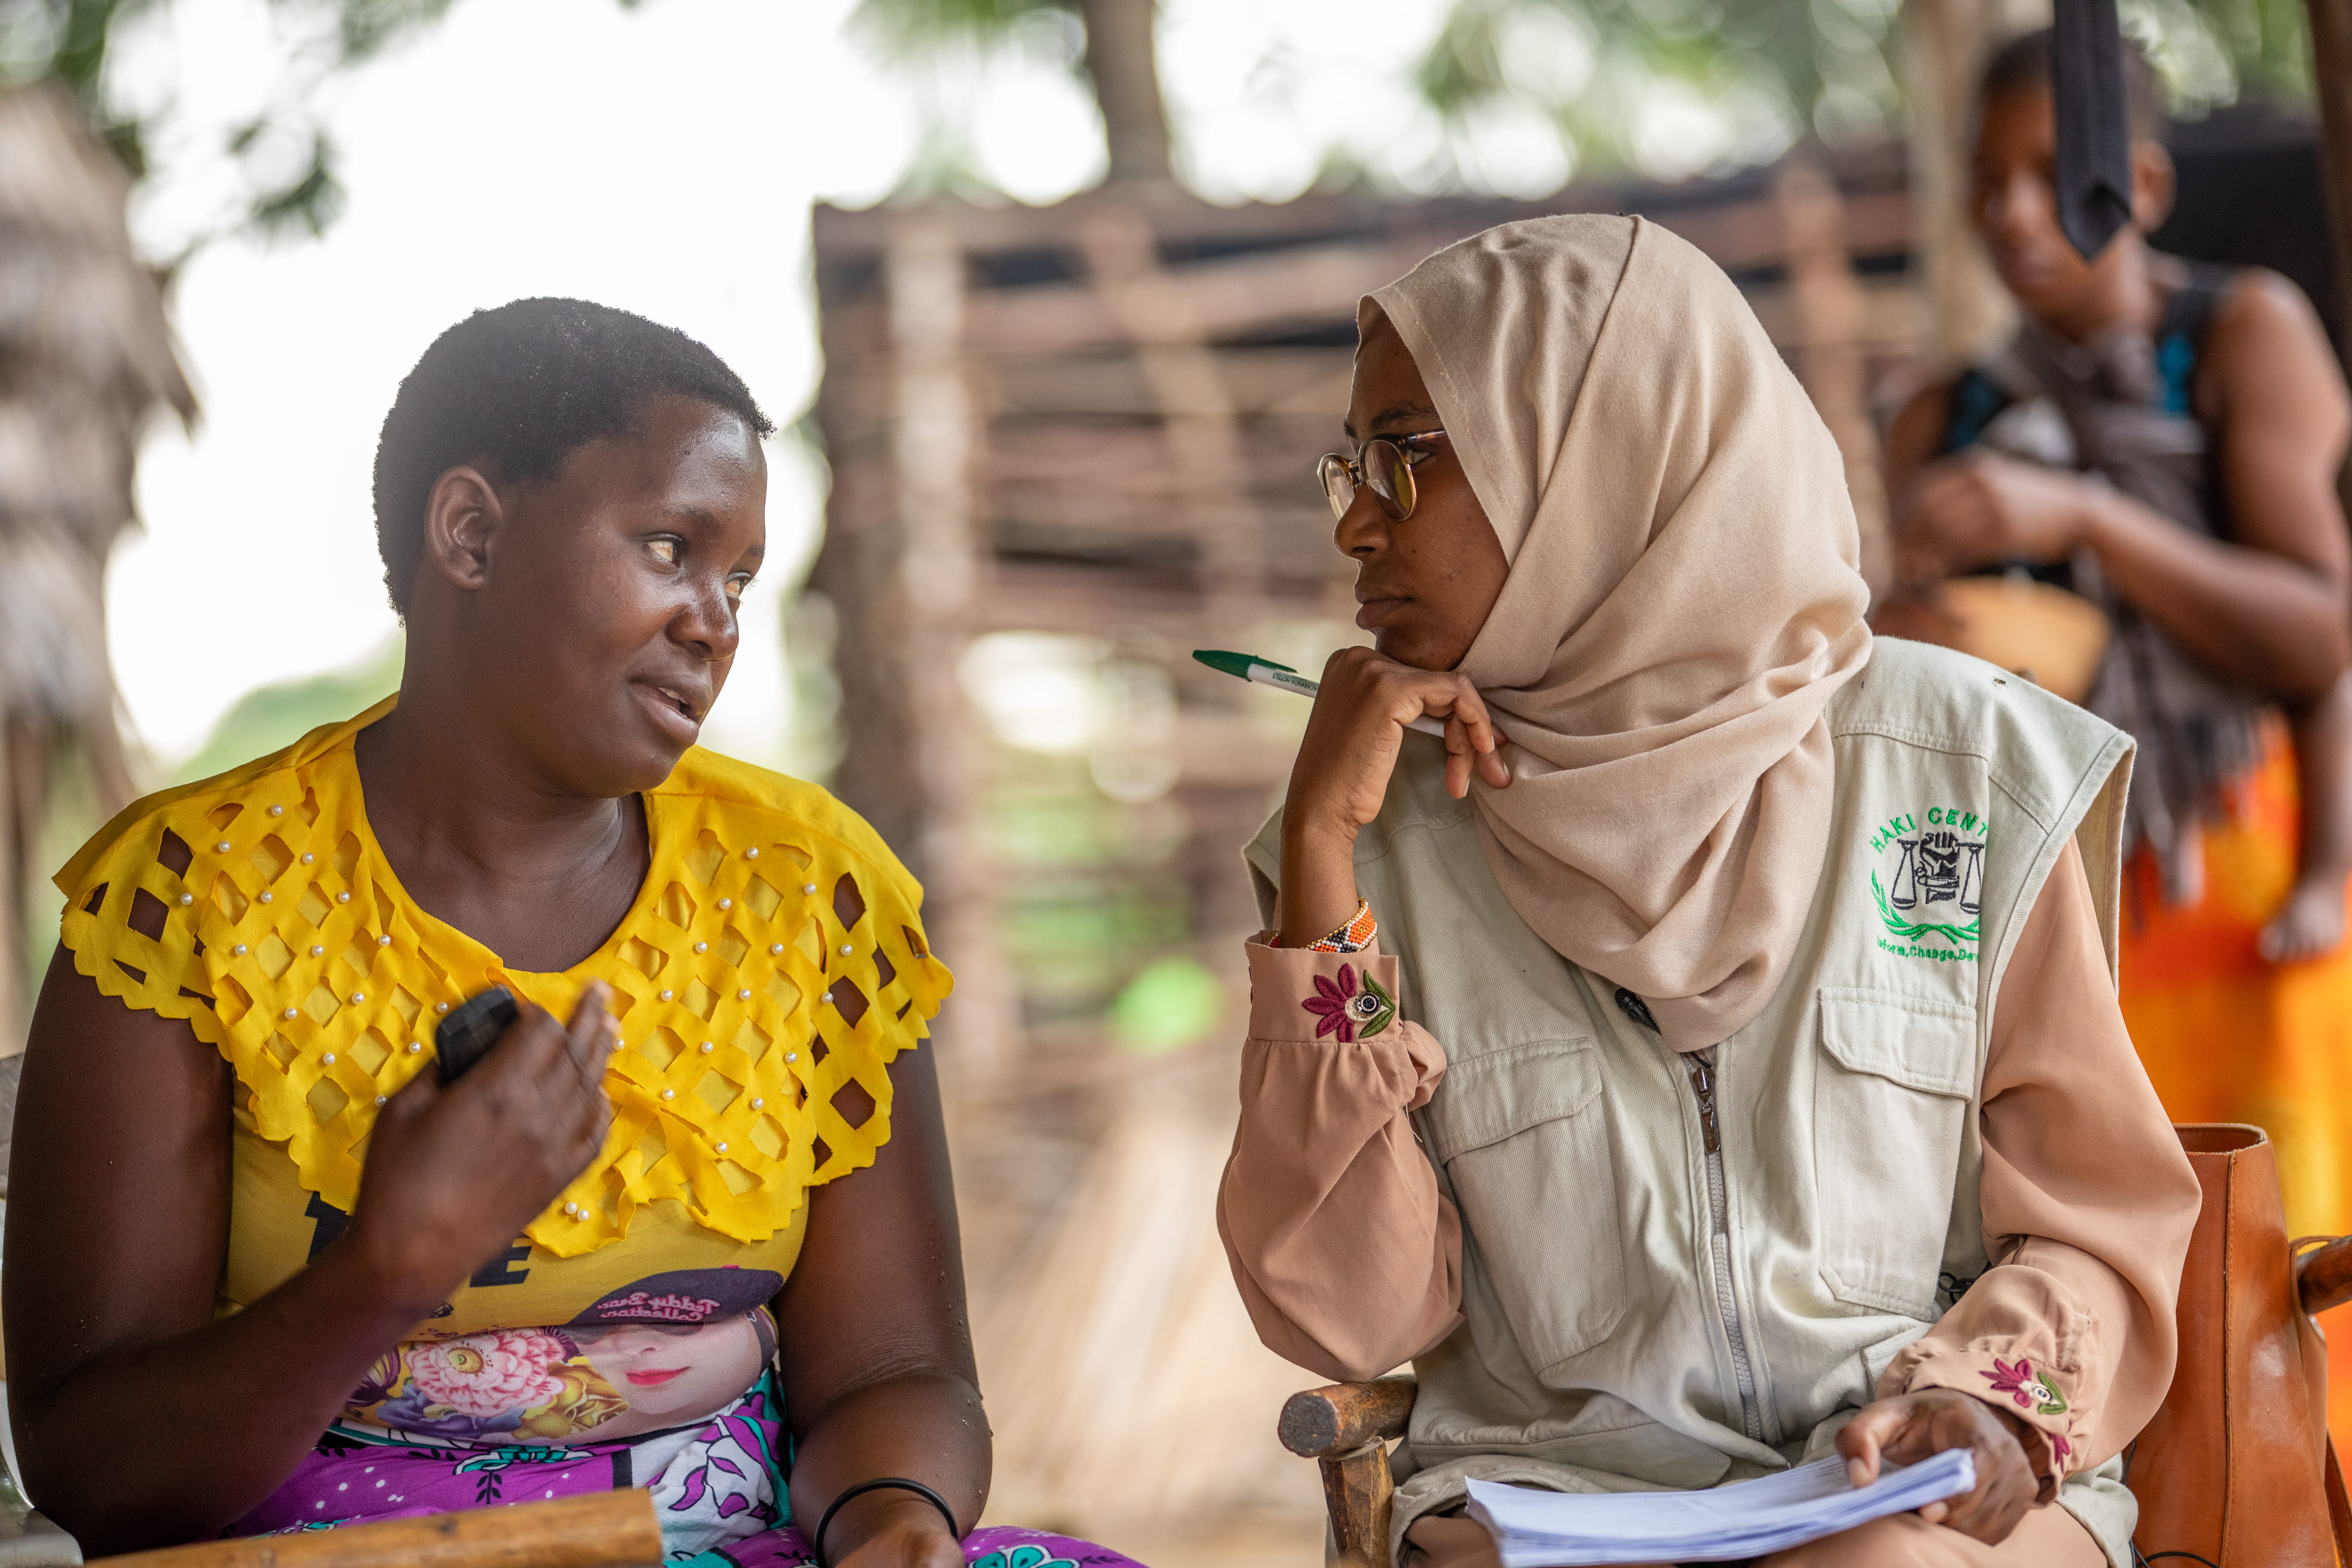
pixel 1537 1529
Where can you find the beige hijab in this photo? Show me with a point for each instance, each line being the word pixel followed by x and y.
pixel 1683 600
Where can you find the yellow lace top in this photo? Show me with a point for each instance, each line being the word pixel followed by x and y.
pixel 289 945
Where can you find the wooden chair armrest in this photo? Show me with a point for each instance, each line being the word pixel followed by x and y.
pixel 1324 1421
pixel 2323 1277
pixel 1346 1428
pixel 603 1529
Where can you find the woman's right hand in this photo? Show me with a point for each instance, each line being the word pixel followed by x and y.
pixel 454 1174
pixel 1341 774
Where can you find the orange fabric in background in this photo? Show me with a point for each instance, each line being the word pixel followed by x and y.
pixel 2228 1035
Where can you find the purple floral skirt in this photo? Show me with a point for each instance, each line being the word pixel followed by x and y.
pixel 718 1489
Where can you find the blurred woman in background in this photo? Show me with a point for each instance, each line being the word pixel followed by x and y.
pixel 2164 439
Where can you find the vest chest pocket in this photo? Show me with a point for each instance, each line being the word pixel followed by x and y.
pixel 1523 1136
pixel 1891 1089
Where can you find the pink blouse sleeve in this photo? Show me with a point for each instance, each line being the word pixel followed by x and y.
pixel 1348 1257
pixel 2088 1206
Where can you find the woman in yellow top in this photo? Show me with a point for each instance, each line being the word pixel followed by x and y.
pixel 266 1272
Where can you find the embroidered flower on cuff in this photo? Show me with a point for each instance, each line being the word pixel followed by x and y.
pixel 2037 1395
pixel 1347 1011
pixel 2031 1393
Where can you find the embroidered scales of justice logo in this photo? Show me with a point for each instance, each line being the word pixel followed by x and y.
pixel 1926 877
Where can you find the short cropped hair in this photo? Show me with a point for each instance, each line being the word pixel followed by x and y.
pixel 520 388
pixel 2030 62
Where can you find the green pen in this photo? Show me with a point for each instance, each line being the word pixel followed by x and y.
pixel 1266 672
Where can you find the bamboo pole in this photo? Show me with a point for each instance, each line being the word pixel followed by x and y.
pixel 1202 424
pixel 604 1529
pixel 1832 314
pixel 935 580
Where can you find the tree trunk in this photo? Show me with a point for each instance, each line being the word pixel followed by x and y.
pixel 85 357
pixel 1122 60
pixel 901 564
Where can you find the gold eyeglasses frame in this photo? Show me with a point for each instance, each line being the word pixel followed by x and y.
pixel 1383 464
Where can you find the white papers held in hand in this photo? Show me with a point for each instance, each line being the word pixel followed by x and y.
pixel 1537 1529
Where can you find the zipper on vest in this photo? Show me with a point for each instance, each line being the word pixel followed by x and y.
pixel 1719 1203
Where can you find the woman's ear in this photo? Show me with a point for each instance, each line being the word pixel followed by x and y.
pixel 2153 184
pixel 460 516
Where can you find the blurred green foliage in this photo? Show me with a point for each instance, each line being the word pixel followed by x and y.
pixel 1773 70
pixel 284 149
pixel 272 718
pixel 1090 892
pixel 902 30
pixel 1172 1004
pixel 2268 43
pixel 1586 65
pixel 1827 68
pixel 927 40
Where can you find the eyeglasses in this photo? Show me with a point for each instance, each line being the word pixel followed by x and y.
pixel 1385 465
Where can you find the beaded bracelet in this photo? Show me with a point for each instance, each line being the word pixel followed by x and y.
pixel 878 1484
pixel 1353 937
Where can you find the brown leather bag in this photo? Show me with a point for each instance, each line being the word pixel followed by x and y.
pixel 2236 1468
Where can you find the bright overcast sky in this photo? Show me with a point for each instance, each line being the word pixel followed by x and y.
pixel 661 159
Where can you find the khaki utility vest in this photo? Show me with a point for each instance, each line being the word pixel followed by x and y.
pixel 1682 1270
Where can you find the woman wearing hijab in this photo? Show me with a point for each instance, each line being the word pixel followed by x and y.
pixel 1706 1058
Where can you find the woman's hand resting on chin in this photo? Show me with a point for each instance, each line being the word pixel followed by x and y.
pixel 1910 1427
pixel 1342 774
pixel 454 1174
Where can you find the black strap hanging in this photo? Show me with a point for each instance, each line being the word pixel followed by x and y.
pixel 2094 159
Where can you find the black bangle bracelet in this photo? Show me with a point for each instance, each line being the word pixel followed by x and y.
pixel 879 1483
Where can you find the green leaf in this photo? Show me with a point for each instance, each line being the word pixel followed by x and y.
pixel 897 31
pixel 312 201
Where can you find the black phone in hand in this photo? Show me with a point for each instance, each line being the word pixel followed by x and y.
pixel 471 1029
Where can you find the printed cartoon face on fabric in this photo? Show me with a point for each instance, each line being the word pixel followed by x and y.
pixel 569 1384
pixel 673 1372
pixel 662 1351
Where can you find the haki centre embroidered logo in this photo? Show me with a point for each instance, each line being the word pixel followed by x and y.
pixel 1929 882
